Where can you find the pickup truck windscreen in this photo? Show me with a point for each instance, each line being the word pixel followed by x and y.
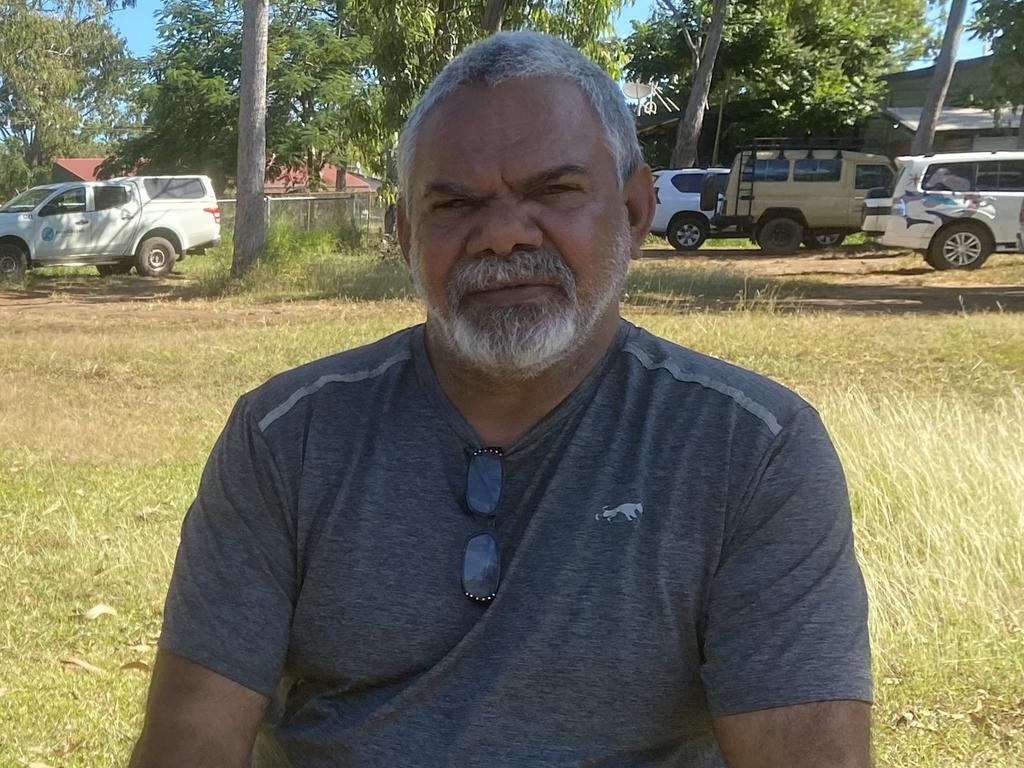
pixel 27 200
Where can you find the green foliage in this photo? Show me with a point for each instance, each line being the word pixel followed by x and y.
pixel 1001 23
pixel 315 92
pixel 792 67
pixel 63 75
pixel 413 39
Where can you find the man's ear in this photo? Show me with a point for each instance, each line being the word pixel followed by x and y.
pixel 404 228
pixel 638 192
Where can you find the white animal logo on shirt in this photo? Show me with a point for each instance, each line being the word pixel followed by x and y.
pixel 622 513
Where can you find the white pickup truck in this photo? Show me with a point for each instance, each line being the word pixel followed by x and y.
pixel 145 222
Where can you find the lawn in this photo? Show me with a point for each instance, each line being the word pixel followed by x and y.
pixel 110 407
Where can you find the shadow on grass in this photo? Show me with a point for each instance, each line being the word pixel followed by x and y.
pixel 676 285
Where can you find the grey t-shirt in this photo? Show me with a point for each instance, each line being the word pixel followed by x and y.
pixel 675 541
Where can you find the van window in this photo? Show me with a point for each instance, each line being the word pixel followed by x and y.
pixel 109 197
pixel 949 177
pixel 1000 176
pixel 817 170
pixel 766 170
pixel 871 176
pixel 175 189
pixel 687 182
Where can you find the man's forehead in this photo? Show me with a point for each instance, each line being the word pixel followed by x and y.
pixel 518 128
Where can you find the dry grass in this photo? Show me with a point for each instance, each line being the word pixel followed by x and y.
pixel 111 408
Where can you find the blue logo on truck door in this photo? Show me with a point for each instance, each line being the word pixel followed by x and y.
pixel 48 234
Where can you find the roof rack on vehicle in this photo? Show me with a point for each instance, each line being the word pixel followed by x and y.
pixel 784 142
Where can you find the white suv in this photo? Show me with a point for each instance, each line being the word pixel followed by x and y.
pixel 145 222
pixel 678 214
pixel 957 208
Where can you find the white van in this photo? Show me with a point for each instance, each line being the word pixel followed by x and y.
pixel 145 222
pixel 957 208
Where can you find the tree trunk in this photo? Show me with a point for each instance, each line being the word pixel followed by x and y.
pixel 494 15
pixel 250 210
pixel 942 74
pixel 684 154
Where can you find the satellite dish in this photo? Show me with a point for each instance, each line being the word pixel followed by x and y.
pixel 637 91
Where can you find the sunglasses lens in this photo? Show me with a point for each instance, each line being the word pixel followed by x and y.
pixel 481 567
pixel 483 483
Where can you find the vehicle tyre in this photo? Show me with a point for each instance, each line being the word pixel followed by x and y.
pixel 13 262
pixel 687 233
pixel 824 240
pixel 780 236
pixel 963 245
pixel 106 270
pixel 156 257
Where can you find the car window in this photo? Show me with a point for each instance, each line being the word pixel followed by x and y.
pixel 72 201
pixel 813 169
pixel 109 197
pixel 175 189
pixel 721 182
pixel 1000 176
pixel 687 182
pixel 775 169
pixel 871 176
pixel 949 177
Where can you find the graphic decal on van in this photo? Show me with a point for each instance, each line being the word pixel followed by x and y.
pixel 945 207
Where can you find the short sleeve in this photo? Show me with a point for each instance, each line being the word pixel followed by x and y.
pixel 786 621
pixel 233 589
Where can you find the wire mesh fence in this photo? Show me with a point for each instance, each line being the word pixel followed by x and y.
pixel 360 212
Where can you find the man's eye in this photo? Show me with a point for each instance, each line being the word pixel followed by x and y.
pixel 449 205
pixel 560 189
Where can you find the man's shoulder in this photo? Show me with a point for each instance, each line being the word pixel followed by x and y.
pixel 768 401
pixel 280 394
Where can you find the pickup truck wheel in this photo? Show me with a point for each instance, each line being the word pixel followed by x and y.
pixel 156 257
pixel 959 246
pixel 824 240
pixel 780 236
pixel 687 233
pixel 12 262
pixel 106 270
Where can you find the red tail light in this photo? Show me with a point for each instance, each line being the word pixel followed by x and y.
pixel 215 212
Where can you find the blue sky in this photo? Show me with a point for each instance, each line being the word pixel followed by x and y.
pixel 138 26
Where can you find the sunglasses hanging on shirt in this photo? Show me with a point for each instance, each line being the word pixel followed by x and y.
pixel 481 559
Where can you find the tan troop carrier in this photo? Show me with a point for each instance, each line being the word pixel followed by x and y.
pixel 785 192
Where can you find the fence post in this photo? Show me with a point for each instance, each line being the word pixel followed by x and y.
pixel 309 215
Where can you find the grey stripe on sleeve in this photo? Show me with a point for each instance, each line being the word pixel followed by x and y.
pixel 741 397
pixel 331 378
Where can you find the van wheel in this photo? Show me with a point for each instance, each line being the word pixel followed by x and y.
pixel 824 240
pixel 106 270
pixel 12 262
pixel 687 233
pixel 156 257
pixel 959 246
pixel 779 236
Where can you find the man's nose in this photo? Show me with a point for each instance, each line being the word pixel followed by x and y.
pixel 505 226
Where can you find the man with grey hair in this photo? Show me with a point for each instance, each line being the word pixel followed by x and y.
pixel 526 532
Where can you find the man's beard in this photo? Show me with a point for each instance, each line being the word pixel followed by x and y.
pixel 520 341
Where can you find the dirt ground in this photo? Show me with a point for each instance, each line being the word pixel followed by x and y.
pixel 850 278
pixel 869 279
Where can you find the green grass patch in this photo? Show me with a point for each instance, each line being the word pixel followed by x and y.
pixel 111 410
